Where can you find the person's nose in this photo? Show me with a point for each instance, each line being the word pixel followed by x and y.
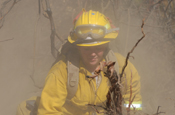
pixel 93 54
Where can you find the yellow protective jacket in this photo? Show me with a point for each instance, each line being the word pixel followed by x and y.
pixel 90 91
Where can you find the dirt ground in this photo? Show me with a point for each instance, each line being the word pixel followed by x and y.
pixel 25 51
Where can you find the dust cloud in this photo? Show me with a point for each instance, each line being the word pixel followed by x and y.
pixel 25 49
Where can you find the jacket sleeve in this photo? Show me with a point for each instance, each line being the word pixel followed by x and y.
pixel 54 92
pixel 131 84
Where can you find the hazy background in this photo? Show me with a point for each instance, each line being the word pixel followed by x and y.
pixel 25 46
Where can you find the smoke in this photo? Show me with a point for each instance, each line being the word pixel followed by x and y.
pixel 26 57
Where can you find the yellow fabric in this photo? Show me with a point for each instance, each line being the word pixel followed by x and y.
pixel 23 108
pixel 93 17
pixel 54 94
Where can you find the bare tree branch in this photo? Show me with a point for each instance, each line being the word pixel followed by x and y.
pixel 8 10
pixel 53 30
pixel 104 7
pixel 7 40
pixel 128 55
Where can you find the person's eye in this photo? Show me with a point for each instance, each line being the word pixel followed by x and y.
pixel 99 49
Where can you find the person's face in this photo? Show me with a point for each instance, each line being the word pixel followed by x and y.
pixel 92 55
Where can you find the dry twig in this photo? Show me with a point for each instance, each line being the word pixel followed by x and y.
pixel 104 7
pixel 7 40
pixel 158 111
pixel 9 10
pixel 168 6
pixel 128 55
pixel 159 2
pixel 53 30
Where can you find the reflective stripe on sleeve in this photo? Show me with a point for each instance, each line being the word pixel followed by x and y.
pixel 133 105
pixel 136 105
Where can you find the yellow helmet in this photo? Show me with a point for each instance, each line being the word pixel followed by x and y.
pixel 91 29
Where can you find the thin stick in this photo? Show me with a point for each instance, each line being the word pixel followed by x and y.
pixel 7 40
pixel 168 5
pixel 85 4
pixel 104 7
pixel 8 10
pixel 128 55
pixel 158 109
pixel 53 30
pixel 156 3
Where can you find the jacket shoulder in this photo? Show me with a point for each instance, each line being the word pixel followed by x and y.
pixel 60 66
pixel 121 61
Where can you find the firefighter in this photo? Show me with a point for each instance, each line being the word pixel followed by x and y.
pixel 68 89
